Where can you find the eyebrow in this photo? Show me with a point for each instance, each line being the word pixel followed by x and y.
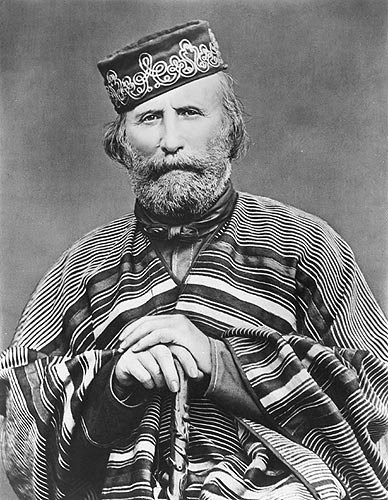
pixel 151 111
pixel 189 106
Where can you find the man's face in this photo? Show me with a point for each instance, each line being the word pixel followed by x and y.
pixel 179 158
pixel 181 121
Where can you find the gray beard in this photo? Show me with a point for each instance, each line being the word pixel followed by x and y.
pixel 183 187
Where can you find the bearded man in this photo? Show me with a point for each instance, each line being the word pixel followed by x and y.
pixel 262 305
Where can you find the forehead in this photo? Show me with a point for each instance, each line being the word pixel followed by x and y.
pixel 203 93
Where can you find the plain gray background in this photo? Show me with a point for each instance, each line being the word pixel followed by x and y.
pixel 312 76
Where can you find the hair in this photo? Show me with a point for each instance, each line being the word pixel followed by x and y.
pixel 237 136
pixel 117 148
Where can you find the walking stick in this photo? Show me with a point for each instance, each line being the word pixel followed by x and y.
pixel 179 439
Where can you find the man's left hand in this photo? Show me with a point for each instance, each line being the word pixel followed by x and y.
pixel 170 329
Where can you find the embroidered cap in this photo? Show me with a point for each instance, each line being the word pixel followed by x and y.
pixel 160 62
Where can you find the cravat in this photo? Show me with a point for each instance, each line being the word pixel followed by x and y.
pixel 184 229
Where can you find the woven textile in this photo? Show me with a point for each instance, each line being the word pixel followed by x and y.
pixel 283 291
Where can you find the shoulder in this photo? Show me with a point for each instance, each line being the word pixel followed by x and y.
pixel 103 245
pixel 95 254
pixel 107 234
pixel 260 206
pixel 288 226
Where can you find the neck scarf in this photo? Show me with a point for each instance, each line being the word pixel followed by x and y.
pixel 185 229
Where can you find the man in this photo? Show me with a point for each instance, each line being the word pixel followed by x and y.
pixel 262 305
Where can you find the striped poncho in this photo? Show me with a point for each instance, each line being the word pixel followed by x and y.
pixel 283 292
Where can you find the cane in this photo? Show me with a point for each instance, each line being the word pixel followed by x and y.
pixel 179 439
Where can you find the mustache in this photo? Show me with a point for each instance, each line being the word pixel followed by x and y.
pixel 156 167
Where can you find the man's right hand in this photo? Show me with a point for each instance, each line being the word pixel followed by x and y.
pixel 155 367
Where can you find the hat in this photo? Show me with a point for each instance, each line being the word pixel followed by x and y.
pixel 159 63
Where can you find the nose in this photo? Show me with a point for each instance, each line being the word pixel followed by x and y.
pixel 171 141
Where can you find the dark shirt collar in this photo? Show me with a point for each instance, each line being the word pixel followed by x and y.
pixel 184 228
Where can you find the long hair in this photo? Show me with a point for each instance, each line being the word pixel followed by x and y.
pixel 116 144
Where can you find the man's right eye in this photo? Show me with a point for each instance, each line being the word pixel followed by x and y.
pixel 149 118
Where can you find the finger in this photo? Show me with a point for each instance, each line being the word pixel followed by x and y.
pixel 127 330
pixel 155 337
pixel 187 361
pixel 130 328
pixel 143 328
pixel 159 380
pixel 138 333
pixel 164 357
pixel 152 366
pixel 129 365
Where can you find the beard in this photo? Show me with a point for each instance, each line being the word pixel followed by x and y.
pixel 183 187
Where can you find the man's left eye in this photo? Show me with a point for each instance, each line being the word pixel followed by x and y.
pixel 190 112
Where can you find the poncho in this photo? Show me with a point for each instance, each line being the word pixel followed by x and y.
pixel 283 291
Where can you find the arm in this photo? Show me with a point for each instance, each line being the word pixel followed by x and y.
pixel 110 412
pixel 45 378
pixel 116 399
pixel 334 304
pixel 44 402
pixel 227 387
pixel 211 357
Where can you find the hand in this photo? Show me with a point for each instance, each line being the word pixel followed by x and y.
pixel 169 329
pixel 155 367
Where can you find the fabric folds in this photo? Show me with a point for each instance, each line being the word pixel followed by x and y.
pixel 283 292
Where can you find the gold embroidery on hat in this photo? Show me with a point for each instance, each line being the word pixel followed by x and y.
pixel 188 62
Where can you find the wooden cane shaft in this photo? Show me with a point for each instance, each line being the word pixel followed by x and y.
pixel 179 439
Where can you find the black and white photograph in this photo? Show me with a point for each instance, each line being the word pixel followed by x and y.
pixel 194 250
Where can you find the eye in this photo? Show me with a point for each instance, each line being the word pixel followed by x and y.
pixel 150 117
pixel 190 112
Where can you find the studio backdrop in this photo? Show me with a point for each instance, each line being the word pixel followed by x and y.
pixel 310 73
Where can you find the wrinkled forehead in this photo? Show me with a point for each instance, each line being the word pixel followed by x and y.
pixel 203 94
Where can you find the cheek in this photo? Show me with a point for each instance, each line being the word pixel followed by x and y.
pixel 145 142
pixel 202 137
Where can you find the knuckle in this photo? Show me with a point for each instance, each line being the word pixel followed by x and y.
pixel 125 362
pixel 143 356
pixel 160 350
pixel 179 352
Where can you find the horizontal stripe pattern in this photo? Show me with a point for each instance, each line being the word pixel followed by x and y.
pixel 270 272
